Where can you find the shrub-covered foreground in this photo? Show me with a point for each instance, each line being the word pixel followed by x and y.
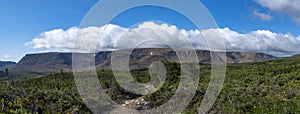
pixel 267 87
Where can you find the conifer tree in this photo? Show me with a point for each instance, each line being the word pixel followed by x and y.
pixel 6 73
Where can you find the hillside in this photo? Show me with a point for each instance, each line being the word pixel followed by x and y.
pixel 264 87
pixel 140 58
pixel 7 64
pixel 44 62
pixel 1 74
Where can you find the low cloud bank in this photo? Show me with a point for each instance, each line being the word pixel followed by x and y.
pixel 112 37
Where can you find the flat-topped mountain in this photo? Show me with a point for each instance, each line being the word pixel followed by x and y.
pixel 244 57
pixel 142 58
pixel 139 58
pixel 45 62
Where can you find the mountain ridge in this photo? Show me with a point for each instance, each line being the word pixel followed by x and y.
pixel 139 58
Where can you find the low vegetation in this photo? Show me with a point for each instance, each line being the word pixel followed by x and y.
pixel 265 87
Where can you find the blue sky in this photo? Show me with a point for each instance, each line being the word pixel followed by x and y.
pixel 22 21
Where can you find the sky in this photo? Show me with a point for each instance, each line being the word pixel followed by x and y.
pixel 33 26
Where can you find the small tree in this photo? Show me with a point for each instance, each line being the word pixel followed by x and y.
pixel 61 71
pixel 6 73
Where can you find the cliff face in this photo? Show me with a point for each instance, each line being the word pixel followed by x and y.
pixel 139 58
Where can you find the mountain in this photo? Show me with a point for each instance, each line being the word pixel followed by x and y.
pixel 139 58
pixel 7 64
pixel 44 62
pixel 245 57
pixel 142 58
pixel 1 74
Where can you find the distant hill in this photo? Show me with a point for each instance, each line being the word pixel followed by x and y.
pixel 142 58
pixel 44 62
pixel 245 57
pixel 139 58
pixel 1 74
pixel 7 64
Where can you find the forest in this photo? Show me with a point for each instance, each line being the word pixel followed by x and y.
pixel 262 87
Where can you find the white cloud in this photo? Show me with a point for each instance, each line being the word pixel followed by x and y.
pixel 262 16
pixel 116 37
pixel 7 56
pixel 63 40
pixel 290 7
